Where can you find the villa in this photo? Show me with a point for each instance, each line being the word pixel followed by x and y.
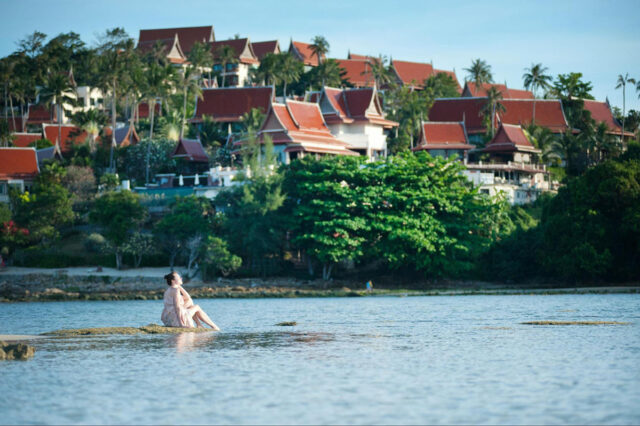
pixel 413 74
pixel 170 47
pixel 304 53
pixel 444 139
pixel 472 91
pixel 235 73
pixel 69 136
pixel 355 116
pixel 261 48
pixel 357 72
pixel 18 169
pixel 601 113
pixel 187 36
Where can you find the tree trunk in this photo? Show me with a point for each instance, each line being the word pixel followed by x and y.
pixel 58 107
pixel 224 73
pixel 138 260
pixel 152 105
pixel 6 112
pixel 309 265
pixel 13 118
pixel 113 129
pixel 623 112
pixel 118 260
pixel 284 89
pixel 184 114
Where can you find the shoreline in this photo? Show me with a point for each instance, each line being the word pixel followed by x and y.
pixel 82 283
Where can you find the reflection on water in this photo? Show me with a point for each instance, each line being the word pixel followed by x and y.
pixel 367 360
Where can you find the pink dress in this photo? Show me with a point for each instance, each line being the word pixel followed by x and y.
pixel 174 313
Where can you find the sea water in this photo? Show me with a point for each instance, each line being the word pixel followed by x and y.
pixel 436 360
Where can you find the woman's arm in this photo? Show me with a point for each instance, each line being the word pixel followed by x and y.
pixel 188 301
pixel 181 311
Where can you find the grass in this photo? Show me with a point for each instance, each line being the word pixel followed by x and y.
pixel 575 323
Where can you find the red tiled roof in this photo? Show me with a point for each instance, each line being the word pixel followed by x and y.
pixel 351 105
pixel 470 89
pixel 192 150
pixel 361 57
pixel 242 47
pixel 303 52
pixel 229 104
pixel 19 124
pixel 143 110
pixel 415 73
pixel 170 46
pixel 601 113
pixel 357 72
pixel 71 135
pixel 519 112
pixel 22 140
pixel 300 124
pixel 261 48
pixel 439 135
pixel 18 163
pixel 125 136
pixel 510 138
pixel 187 35
pixel 39 114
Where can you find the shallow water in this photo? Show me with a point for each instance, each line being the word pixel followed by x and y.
pixel 464 359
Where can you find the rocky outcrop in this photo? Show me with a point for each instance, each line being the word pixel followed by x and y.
pixel 17 351
pixel 147 329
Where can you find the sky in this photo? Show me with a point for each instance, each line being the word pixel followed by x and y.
pixel 600 39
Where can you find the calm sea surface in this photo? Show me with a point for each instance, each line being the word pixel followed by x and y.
pixel 464 359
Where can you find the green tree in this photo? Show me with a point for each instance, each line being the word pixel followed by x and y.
pixel 479 73
pixel 379 68
pixel 201 58
pixel 441 85
pixel 492 107
pixel 328 73
pixel 217 258
pixel 622 83
pixel 119 214
pixel 289 70
pixel 138 245
pixel 91 121
pixel 320 47
pixel 534 79
pixel 267 71
pixel 160 160
pixel 224 56
pixel 57 91
pixel 188 83
pixel 570 86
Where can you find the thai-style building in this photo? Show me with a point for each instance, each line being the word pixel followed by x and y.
pixel 601 113
pixel 298 129
pixel 235 73
pixel 24 140
pixel 357 72
pixel 444 139
pixel 171 48
pixel 187 36
pixel 229 104
pixel 355 116
pixel 125 136
pixel 18 169
pixel 261 48
pixel 303 52
pixel 70 136
pixel 472 91
pixel 548 113
pixel 191 150
pixel 413 74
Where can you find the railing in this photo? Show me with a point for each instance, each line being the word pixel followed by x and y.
pixel 509 165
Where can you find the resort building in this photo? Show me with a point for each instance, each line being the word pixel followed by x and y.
pixel 304 53
pixel 18 169
pixel 413 74
pixel 24 140
pixel 357 72
pixel 173 53
pixel 229 104
pixel 64 137
pixel 472 91
pixel 444 139
pixel 88 98
pixel 355 116
pixel 261 48
pixel 235 73
pixel 125 135
pixel 187 36
pixel 601 113
pixel 548 113
pixel 191 150
pixel 298 129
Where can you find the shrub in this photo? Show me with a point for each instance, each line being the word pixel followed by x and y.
pixel 95 243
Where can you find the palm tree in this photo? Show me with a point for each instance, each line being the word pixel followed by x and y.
pixel 479 73
pixel 200 57
pixel 289 70
pixel 327 73
pixel 380 70
pixel 225 55
pixel 320 47
pixel 55 92
pixel 622 83
pixel 187 81
pixel 534 79
pixel 267 70
pixel 493 106
pixel 90 121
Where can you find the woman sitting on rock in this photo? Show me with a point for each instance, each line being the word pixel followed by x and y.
pixel 179 310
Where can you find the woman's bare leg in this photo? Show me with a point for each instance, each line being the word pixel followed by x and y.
pixel 197 312
pixel 197 321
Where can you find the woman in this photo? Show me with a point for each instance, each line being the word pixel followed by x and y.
pixel 179 310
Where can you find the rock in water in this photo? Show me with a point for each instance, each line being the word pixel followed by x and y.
pixel 19 351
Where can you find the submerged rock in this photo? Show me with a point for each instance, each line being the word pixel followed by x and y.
pixel 18 351
pixel 287 324
pixel 147 329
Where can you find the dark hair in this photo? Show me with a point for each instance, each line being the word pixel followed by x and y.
pixel 170 277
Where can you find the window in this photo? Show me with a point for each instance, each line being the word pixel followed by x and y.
pixel 81 100
pixel 3 188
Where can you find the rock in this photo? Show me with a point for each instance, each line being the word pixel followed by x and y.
pixel 16 351
pixel 287 324
pixel 147 329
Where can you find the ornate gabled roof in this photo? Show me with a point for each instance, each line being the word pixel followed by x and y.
pixel 125 136
pixel 601 113
pixel 357 72
pixel 443 135
pixel 510 138
pixel 22 140
pixel 187 35
pixel 353 105
pixel 471 90
pixel 39 114
pixel 242 47
pixel 301 127
pixel 362 57
pixel 171 46
pixel 261 48
pixel 70 136
pixel 415 73
pixel 192 150
pixel 18 163
pixel 548 112
pixel 304 53
pixel 229 104
pixel 144 111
